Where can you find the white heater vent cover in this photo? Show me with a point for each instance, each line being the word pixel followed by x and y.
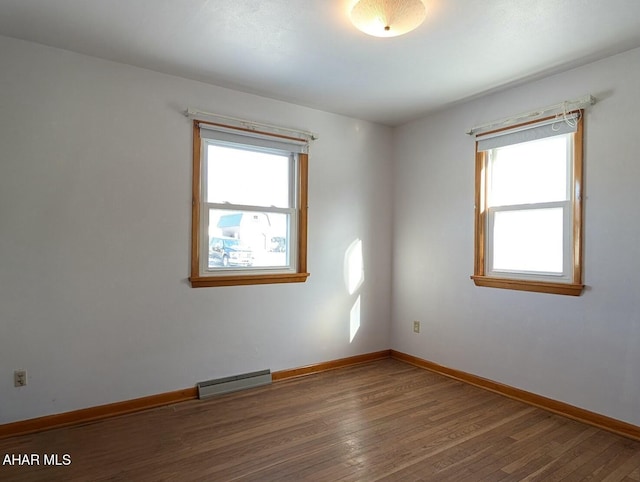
pixel 234 383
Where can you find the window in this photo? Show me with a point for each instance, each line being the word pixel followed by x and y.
pixel 249 210
pixel 528 197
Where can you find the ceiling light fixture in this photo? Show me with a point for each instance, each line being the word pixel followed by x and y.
pixel 388 18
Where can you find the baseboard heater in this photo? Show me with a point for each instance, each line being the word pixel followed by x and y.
pixel 234 383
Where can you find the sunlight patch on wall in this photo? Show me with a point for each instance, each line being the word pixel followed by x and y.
pixel 354 320
pixel 353 267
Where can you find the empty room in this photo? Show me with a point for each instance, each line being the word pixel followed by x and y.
pixel 285 240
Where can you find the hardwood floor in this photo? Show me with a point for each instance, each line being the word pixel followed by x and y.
pixel 384 420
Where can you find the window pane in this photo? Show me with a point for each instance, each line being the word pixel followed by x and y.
pixel 528 240
pixel 249 177
pixel 248 239
pixel 530 172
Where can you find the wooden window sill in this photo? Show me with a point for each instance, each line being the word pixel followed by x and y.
pixel 239 280
pixel 571 289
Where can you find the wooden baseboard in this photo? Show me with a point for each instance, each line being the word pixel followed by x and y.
pixel 330 365
pixel 96 413
pixel 601 421
pixel 129 406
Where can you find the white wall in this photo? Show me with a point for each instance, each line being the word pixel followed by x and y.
pixel 95 169
pixel 581 350
pixel 94 243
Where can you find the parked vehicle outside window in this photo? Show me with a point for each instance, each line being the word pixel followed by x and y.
pixel 228 252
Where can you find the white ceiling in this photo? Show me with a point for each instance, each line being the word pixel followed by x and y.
pixel 307 52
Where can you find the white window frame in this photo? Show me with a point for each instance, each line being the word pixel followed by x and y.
pixel 570 280
pixel 292 237
pixel 209 133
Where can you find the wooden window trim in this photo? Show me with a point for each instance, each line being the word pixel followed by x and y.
pixel 576 287
pixel 253 278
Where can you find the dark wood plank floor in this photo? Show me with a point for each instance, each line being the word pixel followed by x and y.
pixel 384 420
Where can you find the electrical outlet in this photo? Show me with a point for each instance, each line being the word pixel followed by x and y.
pixel 19 378
pixel 416 327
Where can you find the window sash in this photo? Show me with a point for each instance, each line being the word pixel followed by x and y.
pixel 492 156
pixel 291 169
pixel 291 236
pixel 562 276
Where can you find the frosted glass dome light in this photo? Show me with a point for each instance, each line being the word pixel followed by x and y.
pixel 388 18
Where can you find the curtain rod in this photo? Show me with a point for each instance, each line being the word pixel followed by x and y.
pixel 560 107
pixel 198 114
